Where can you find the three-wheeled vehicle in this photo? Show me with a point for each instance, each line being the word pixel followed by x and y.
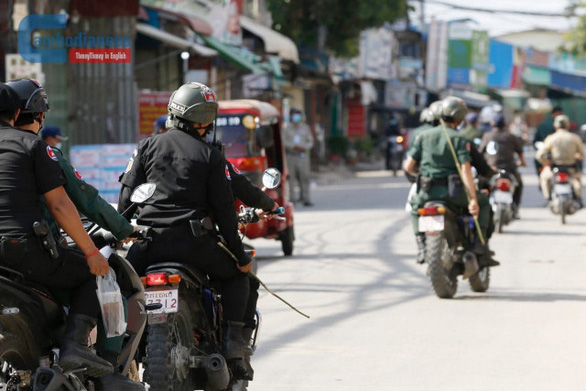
pixel 251 133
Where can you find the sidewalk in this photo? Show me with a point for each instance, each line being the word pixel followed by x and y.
pixel 332 172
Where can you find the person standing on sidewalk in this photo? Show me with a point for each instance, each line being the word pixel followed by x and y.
pixel 298 142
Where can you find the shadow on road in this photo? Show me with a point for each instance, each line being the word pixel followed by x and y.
pixel 523 297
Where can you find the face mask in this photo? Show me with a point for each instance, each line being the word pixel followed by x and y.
pixel 296 118
pixel 58 145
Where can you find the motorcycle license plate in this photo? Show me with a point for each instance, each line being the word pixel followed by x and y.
pixel 562 188
pixel 431 223
pixel 168 298
pixel 503 196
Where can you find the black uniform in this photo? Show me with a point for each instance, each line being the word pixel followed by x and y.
pixel 192 183
pixel 499 146
pixel 256 198
pixel 246 192
pixel 29 170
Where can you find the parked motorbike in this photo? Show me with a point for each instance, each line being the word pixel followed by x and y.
pixel 562 193
pixel 450 239
pixel 184 337
pixel 32 323
pixel 502 187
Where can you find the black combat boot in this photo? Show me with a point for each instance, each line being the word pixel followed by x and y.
pixel 247 337
pixel 420 248
pixel 75 353
pixel 117 381
pixel 236 350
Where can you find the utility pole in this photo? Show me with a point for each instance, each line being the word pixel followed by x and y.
pixel 422 16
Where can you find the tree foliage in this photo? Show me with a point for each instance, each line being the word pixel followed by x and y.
pixel 576 38
pixel 337 22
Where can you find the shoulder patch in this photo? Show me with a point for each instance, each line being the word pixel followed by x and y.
pixel 51 153
pixel 129 166
pixel 227 171
pixel 236 170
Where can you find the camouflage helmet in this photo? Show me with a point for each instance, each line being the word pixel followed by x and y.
pixel 436 110
pixel 193 102
pixel 561 121
pixel 426 116
pixel 453 109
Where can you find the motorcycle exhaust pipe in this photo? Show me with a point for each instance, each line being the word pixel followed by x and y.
pixel 470 264
pixel 48 379
pixel 217 371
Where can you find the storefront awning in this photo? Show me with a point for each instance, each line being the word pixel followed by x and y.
pixel 238 55
pixel 274 41
pixel 174 40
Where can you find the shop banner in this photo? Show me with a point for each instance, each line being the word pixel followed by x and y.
pixel 151 105
pixel 101 165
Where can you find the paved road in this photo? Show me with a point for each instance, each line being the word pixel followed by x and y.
pixel 376 323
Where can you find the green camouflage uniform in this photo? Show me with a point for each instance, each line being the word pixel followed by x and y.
pixel 87 201
pixel 432 152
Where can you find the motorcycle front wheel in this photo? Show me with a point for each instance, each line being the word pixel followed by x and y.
pixel 443 282
pixel 167 352
pixel 13 356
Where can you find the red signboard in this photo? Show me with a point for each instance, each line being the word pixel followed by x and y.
pixel 150 107
pixel 356 119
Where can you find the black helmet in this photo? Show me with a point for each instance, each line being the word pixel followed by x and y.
pixel 33 98
pixel 193 102
pixel 453 109
pixel 498 121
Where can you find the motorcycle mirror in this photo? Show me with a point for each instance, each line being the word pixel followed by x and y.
pixel 271 178
pixel 143 193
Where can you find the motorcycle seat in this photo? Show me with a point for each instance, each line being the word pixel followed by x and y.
pixel 192 272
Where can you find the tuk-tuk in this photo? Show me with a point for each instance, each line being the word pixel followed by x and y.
pixel 251 133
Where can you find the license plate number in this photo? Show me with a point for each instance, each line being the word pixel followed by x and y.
pixel 503 196
pixel 563 189
pixel 168 298
pixel 431 223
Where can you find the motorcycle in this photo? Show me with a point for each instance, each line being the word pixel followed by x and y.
pixel 502 187
pixel 562 193
pixel 184 336
pixel 394 153
pixel 32 323
pixel 450 238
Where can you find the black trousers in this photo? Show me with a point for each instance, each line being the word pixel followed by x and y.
pixel 518 193
pixel 70 271
pixel 203 253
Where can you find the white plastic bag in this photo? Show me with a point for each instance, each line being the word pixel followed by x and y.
pixel 111 304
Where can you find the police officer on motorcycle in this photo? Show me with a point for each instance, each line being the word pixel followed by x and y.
pixel 192 191
pixel 499 147
pixel 86 199
pixel 30 170
pixel 432 154
pixel 254 197
pixel 561 148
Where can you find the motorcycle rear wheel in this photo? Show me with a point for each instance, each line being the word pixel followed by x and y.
pixel 500 214
pixel 443 282
pixel 163 340
pixel 14 356
pixel 480 281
